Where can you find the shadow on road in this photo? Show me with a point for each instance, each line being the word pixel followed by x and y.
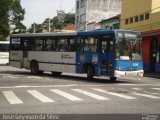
pixel 67 77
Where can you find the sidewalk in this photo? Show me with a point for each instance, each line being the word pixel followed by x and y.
pixel 152 75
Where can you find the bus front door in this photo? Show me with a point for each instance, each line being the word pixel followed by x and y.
pixel 107 58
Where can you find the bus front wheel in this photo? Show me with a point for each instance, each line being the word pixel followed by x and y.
pixel 90 73
pixel 113 79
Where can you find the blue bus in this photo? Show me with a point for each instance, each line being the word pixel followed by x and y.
pixel 112 53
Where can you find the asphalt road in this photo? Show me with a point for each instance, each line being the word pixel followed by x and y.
pixel 21 92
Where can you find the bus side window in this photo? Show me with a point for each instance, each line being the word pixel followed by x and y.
pixel 80 44
pixel 90 44
pixel 62 45
pixel 72 45
pixel 15 44
pixel 31 44
pixel 39 44
pixel 38 47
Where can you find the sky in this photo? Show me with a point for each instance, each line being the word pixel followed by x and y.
pixel 36 11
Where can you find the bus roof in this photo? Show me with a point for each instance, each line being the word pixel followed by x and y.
pixel 96 32
pixel 80 33
pixel 45 34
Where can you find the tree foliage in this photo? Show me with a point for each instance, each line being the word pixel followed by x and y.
pixel 69 19
pixel 11 13
pixel 38 28
pixel 55 23
pixel 16 15
pixel 4 26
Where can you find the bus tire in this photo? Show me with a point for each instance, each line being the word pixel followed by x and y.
pixel 56 73
pixel 90 72
pixel 35 68
pixel 113 79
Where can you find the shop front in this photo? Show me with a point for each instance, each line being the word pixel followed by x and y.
pixel 151 51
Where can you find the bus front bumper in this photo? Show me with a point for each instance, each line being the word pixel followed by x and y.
pixel 118 73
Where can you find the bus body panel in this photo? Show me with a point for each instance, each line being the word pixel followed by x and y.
pixel 4 57
pixel 129 68
pixel 4 52
pixel 16 58
pixel 102 63
pixel 54 61
pixel 84 59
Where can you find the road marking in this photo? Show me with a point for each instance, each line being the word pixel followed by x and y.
pixel 39 96
pixel 98 97
pixel 146 95
pixel 112 93
pixel 137 88
pixel 44 86
pixel 66 95
pixel 14 77
pixel 11 97
pixel 150 92
pixel 155 88
pixel 151 84
pixel 36 77
pixel 19 76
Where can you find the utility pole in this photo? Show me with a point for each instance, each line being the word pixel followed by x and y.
pixel 49 23
pixel 61 5
pixel 34 29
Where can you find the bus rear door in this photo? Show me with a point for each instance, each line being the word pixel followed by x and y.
pixel 25 44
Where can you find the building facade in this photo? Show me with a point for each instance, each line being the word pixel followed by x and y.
pixel 111 23
pixel 93 11
pixel 144 16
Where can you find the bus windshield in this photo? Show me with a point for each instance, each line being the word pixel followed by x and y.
pixel 128 49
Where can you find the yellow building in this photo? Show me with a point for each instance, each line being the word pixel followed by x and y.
pixel 144 16
pixel 140 15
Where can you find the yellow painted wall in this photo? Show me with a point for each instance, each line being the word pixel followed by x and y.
pixel 132 8
pixel 156 6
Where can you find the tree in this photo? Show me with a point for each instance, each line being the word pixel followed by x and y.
pixel 38 28
pixel 16 15
pixel 57 24
pixel 19 28
pixel 69 18
pixel 4 26
pixel 11 13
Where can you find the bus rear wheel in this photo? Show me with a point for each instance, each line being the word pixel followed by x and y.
pixel 113 79
pixel 35 68
pixel 90 73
